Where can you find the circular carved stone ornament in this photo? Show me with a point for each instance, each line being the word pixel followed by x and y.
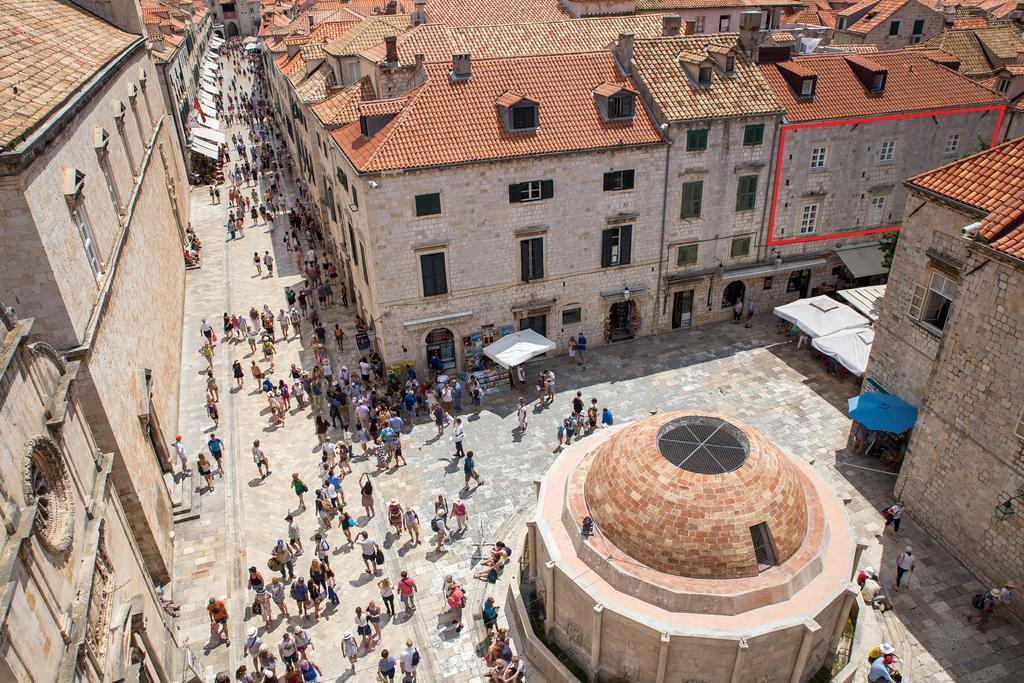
pixel 46 485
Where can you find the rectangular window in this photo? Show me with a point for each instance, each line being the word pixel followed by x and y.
pixel 764 549
pixel 746 193
pixel 428 204
pixel 355 197
pixel 616 246
pixel 85 232
pixel 524 117
pixel 531 191
pixel 753 135
pixel 818 155
pixel 809 219
pixel 739 247
pixel 696 140
pixel 952 143
pixel 352 243
pixel 362 257
pixel 435 280
pixel 531 259
pixel 571 316
pixel 621 107
pixel 342 178
pixel 876 213
pixel 938 300
pixel 618 180
pixel 698 26
pixel 693 194
pixel 888 151
pixel 723 23
pixel 686 255
pixel 918 27
pixel 767 283
pixel 894 28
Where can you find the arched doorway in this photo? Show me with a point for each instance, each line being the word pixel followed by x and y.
pixel 733 292
pixel 440 347
pixel 230 29
pixel 623 321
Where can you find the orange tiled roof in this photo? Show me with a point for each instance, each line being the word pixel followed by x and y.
pixel 969 22
pixel 437 42
pixel 448 122
pixel 342 107
pixel 814 12
pixel 675 5
pixel 875 12
pixel 991 181
pixel 487 12
pixel 998 8
pixel 973 46
pixel 382 107
pixel 368 33
pixel 914 83
pixel 50 48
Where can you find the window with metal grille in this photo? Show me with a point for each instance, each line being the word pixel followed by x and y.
pixel 764 549
pixel 703 445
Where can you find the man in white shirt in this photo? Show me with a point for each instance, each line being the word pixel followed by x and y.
pixel 904 563
pixel 458 434
pixel 260 458
pixel 369 548
pixel 410 660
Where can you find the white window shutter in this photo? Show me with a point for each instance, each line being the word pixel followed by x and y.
pixel 916 301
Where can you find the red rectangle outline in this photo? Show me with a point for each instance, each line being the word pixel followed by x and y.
pixel 870 119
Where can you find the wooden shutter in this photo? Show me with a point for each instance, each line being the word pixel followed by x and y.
pixel 627 180
pixel 609 181
pixel 515 193
pixel 916 302
pixel 547 189
pixel 537 252
pixel 625 244
pixel 606 247
pixel 524 260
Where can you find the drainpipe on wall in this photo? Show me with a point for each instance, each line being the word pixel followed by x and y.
pixel 658 305
pixel 762 247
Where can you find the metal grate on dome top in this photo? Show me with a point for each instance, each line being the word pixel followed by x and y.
pixel 703 445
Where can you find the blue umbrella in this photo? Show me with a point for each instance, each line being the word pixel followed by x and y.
pixel 882 412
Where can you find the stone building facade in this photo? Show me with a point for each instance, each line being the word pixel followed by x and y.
pixel 949 340
pixel 77 598
pixel 887 24
pixel 94 207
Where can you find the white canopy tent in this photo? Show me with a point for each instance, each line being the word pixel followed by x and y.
pixel 850 347
pixel 519 347
pixel 210 72
pixel 210 64
pixel 865 300
pixel 205 148
pixel 208 134
pixel 205 101
pixel 820 316
pixel 210 89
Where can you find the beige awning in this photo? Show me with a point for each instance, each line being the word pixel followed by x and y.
pixel 863 260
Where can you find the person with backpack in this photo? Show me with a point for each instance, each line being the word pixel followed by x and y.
pixel 323 550
pixel 985 603
pixel 439 526
pixel 410 659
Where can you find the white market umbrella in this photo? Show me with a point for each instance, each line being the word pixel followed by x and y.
pixel 821 315
pixel 519 347
pixel 850 347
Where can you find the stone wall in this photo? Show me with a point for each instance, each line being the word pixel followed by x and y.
pixel 906 15
pixel 127 319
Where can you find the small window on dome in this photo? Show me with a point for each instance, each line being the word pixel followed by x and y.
pixel 764 548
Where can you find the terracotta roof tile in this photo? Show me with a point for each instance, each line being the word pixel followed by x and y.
pixel 49 49
pixel 991 181
pixel 313 88
pixel 914 83
pixel 488 12
pixel 368 33
pixel 969 46
pixel 814 13
pixel 682 5
pixel 342 107
pixel 437 42
pixel 875 12
pixel 998 8
pixel 446 122
pixel 382 107
pixel 743 93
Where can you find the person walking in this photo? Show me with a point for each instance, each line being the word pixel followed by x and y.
pixel 256 261
pixel 216 446
pixel 750 313
pixel 238 373
pixel 300 593
pixel 373 616
pixel 278 595
pixel 412 525
pixel 456 600
pixel 261 460
pixel 410 659
pixel 490 615
pixel 387 594
pixel 458 434
pixel 261 604
pixel 369 548
pixel 294 533
pixel 364 630
pixel 461 515
pixel 521 415
pixel 299 489
pixel 206 471
pixel 581 348
pixel 179 449
pixel 386 666
pixel 218 619
pixel 469 470
pixel 407 591
pixel 252 646
pixel 366 493
pixel 350 648
pixel 892 516
pixel 212 390
pixel 285 558
pixel 268 261
pixel 905 562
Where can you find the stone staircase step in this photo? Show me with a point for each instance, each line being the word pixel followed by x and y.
pixel 190 503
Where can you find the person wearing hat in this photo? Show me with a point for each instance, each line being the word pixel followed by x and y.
pixel 871 593
pixel 904 563
pixel 303 641
pixel 986 606
pixel 1006 595
pixel 253 643
pixel 865 574
pixel 350 648
pixel 879 670
pixel 881 650
pixel 268 663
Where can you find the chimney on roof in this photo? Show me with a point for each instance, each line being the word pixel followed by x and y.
pixel 670 24
pixel 391 49
pixel 750 33
pixel 689 27
pixel 623 51
pixel 419 12
pixel 391 7
pixel 461 69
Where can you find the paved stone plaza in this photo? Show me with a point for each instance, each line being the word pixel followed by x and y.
pixel 752 374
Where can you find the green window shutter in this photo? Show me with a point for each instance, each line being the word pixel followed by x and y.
pixel 609 181
pixel 627 179
pixel 753 135
pixel 606 247
pixel 514 193
pixel 537 252
pixel 696 140
pixel 692 196
pixel 746 193
pixel 918 27
pixel 547 189
pixel 524 260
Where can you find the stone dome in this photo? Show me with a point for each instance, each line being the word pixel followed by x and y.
pixel 691 494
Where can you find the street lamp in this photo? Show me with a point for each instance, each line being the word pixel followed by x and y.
pixel 626 293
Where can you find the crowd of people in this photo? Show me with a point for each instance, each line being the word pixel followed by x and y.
pixel 358 415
